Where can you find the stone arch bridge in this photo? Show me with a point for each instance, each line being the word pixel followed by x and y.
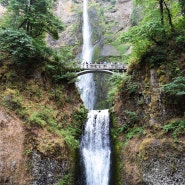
pixel 108 68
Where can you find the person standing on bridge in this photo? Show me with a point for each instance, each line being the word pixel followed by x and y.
pixel 83 63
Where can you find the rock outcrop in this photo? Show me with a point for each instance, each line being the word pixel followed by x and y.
pixel 36 142
pixel 151 155
pixel 12 137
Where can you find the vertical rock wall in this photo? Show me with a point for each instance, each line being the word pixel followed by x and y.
pixel 11 150
pixel 152 157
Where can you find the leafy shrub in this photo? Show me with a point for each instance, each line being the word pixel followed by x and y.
pixel 113 2
pixel 37 119
pixel 177 127
pixel 176 87
pixel 65 180
pixel 180 41
pixel 80 115
pixel 16 44
pixel 129 86
pixel 62 68
pixel 157 59
pixel 182 4
pixel 69 135
pixel 132 88
pixel 13 100
pixel 134 131
pixel 14 103
pixel 132 119
pixel 43 118
pixel 115 81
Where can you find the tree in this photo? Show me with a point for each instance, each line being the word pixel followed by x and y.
pixel 16 45
pixel 176 87
pixel 162 6
pixel 161 21
pixel 33 16
pixel 182 4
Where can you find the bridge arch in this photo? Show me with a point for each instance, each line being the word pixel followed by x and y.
pixel 94 71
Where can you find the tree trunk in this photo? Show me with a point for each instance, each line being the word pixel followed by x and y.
pixel 169 17
pixel 161 11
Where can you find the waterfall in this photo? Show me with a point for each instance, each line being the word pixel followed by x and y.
pixel 95 148
pixel 95 142
pixel 86 83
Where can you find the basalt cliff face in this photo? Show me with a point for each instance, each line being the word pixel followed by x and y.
pixel 36 147
pixel 151 154
pixel 107 19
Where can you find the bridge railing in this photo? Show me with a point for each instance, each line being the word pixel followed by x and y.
pixel 109 66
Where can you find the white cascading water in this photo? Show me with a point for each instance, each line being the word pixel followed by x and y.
pixel 95 143
pixel 95 148
pixel 86 83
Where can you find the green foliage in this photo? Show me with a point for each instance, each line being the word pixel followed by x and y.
pixel 27 152
pixel 157 26
pixel 42 118
pixel 16 44
pixel 140 102
pixel 57 94
pixel 134 131
pixel 129 86
pixel 115 82
pixel 182 4
pixel 155 58
pixel 59 71
pixel 65 180
pixel 62 66
pixel 4 2
pixel 69 135
pixel 123 81
pixel 35 17
pixel 113 2
pixel 45 118
pixel 19 47
pixel 152 31
pixel 131 120
pixel 80 115
pixel 180 41
pixel 14 103
pixel 177 128
pixel 132 88
pixel 176 87
pixel 143 36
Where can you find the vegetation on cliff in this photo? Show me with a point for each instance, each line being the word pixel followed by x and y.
pixel 149 105
pixel 37 85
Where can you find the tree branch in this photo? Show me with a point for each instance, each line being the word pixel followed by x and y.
pixel 169 17
pixel 24 22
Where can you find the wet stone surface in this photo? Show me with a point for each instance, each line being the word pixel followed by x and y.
pixel 46 170
pixel 168 171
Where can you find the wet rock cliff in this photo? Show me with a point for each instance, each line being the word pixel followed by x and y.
pixel 40 124
pixel 150 122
